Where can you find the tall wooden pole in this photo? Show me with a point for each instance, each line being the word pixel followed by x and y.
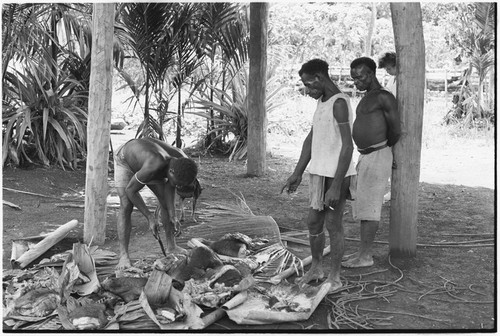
pixel 99 121
pixel 371 28
pixel 410 50
pixel 257 120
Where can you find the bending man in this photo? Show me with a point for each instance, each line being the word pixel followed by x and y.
pixel 162 168
pixel 328 148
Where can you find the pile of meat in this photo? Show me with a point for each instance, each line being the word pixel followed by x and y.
pixel 75 299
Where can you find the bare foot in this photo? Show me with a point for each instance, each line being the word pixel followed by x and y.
pixel 335 286
pixel 350 256
pixel 123 263
pixel 358 262
pixel 311 275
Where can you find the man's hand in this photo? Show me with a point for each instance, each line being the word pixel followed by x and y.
pixel 332 197
pixel 177 226
pixel 292 183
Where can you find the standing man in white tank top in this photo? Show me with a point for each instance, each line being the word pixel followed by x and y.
pixel 328 150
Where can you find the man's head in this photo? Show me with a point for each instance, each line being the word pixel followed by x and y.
pixel 313 74
pixel 182 171
pixel 388 62
pixel 363 71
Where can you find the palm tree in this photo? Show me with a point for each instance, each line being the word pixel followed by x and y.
pixel 148 25
pixel 483 59
pixel 171 41
pixel 478 42
pixel 226 38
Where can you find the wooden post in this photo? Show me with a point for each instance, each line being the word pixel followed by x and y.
pixel 371 28
pixel 409 39
pixel 99 122
pixel 257 120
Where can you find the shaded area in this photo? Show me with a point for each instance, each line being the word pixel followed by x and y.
pixel 447 213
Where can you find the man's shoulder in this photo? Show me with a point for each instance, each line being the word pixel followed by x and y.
pixel 341 101
pixel 376 94
pixel 387 94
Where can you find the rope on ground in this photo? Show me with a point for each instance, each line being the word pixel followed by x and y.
pixel 344 316
pixel 404 313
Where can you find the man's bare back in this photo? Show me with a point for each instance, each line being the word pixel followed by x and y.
pixel 153 151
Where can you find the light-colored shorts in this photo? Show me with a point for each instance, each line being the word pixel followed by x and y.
pixel 374 171
pixel 123 172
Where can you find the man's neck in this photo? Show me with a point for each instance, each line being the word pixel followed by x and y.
pixel 374 86
pixel 330 91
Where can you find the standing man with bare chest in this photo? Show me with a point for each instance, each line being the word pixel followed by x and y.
pixel 375 130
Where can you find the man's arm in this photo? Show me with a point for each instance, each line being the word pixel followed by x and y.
pixel 341 115
pixel 392 118
pixel 138 181
pixel 305 156
pixel 169 193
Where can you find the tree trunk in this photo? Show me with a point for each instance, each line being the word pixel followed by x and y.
pixel 410 49
pixel 99 122
pixel 371 28
pixel 257 122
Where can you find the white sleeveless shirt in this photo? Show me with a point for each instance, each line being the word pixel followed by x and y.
pixel 326 140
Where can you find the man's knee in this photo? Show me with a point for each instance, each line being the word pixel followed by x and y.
pixel 314 222
pixel 126 205
pixel 334 225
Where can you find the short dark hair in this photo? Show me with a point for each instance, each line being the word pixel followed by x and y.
pixel 314 66
pixel 184 169
pixel 364 61
pixel 387 59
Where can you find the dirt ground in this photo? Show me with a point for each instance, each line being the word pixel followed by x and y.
pixel 443 288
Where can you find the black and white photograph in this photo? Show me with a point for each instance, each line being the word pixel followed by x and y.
pixel 249 167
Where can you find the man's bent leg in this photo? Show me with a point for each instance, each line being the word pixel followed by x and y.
pixel 124 227
pixel 317 242
pixel 365 257
pixel 169 227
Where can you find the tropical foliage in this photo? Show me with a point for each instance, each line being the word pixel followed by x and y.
pixel 45 83
pixel 231 123
pixel 476 42
pixel 173 54
pixel 176 44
